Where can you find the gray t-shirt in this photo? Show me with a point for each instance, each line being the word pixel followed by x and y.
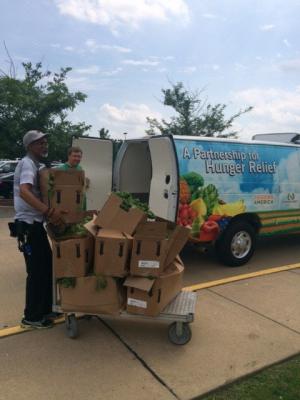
pixel 27 172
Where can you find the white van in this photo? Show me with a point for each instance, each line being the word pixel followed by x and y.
pixel 226 191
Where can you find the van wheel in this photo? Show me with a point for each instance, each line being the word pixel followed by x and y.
pixel 236 245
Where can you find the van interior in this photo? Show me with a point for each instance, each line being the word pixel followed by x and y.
pixel 148 170
pixel 133 170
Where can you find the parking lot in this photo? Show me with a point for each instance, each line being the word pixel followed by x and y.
pixel 240 327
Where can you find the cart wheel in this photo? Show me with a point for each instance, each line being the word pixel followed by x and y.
pixel 179 333
pixel 71 326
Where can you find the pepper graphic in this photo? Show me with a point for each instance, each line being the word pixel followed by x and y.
pixel 209 231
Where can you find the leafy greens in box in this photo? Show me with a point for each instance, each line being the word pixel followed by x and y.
pixel 113 216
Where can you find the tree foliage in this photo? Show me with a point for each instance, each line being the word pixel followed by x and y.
pixel 41 100
pixel 104 133
pixel 193 115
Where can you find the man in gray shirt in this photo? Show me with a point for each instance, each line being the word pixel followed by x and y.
pixel 31 213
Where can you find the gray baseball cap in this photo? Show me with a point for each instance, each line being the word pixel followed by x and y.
pixel 32 136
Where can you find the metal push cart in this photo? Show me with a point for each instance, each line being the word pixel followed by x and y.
pixel 180 312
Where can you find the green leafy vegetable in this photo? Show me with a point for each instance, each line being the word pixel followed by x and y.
pixel 67 282
pixel 130 202
pixel 74 230
pixel 50 186
pixel 196 227
pixel 101 282
pixel 194 180
pixel 210 196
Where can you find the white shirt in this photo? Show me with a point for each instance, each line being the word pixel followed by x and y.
pixel 27 172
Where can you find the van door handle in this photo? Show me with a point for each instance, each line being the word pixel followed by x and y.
pixel 166 194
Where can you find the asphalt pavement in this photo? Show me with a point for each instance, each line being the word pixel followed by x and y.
pixel 239 328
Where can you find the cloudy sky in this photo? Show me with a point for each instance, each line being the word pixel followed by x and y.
pixel 123 52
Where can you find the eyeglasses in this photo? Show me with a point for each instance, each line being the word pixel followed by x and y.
pixel 43 143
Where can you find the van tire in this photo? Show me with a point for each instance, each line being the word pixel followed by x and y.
pixel 236 245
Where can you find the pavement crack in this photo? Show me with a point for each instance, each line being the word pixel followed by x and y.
pixel 139 358
pixel 254 311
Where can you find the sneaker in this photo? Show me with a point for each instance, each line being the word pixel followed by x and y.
pixel 53 315
pixel 42 324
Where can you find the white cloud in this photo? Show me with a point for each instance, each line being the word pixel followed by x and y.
pixel 80 83
pixel 112 72
pixel 209 16
pixel 168 58
pixel 290 65
pixel 275 110
pixel 189 70
pixel 267 27
pixel 55 45
pixel 93 47
pixel 216 67
pixel 69 48
pixel 240 67
pixel 130 118
pixel 132 13
pixel 117 48
pixel 144 63
pixel 93 69
pixel 287 43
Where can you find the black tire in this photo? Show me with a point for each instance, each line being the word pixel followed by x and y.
pixel 236 245
pixel 7 193
pixel 71 326
pixel 185 336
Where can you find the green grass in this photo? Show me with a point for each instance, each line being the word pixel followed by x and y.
pixel 280 382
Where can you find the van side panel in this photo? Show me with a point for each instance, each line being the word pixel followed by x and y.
pixel 220 180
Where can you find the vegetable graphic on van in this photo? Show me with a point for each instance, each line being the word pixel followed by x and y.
pixel 211 215
pixel 227 192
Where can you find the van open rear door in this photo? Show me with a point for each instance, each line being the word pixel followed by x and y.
pixel 97 162
pixel 163 197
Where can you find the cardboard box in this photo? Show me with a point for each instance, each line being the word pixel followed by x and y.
pixel 63 190
pixel 72 257
pixel 78 216
pixel 55 231
pixel 112 216
pixel 155 246
pixel 112 253
pixel 89 296
pixel 150 296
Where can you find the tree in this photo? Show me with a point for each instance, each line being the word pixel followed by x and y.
pixel 194 116
pixel 104 133
pixel 40 100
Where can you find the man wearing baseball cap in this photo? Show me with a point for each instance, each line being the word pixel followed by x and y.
pixel 31 213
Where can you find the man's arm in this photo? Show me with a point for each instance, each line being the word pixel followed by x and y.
pixel 53 216
pixel 27 195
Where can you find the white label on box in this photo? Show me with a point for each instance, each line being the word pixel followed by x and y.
pixel 148 264
pixel 136 303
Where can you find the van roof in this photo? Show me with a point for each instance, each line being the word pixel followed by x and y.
pixel 282 137
pixel 214 139
pixel 243 141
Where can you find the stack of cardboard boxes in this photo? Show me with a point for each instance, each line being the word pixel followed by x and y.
pixel 155 268
pixel 122 261
pixel 64 190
